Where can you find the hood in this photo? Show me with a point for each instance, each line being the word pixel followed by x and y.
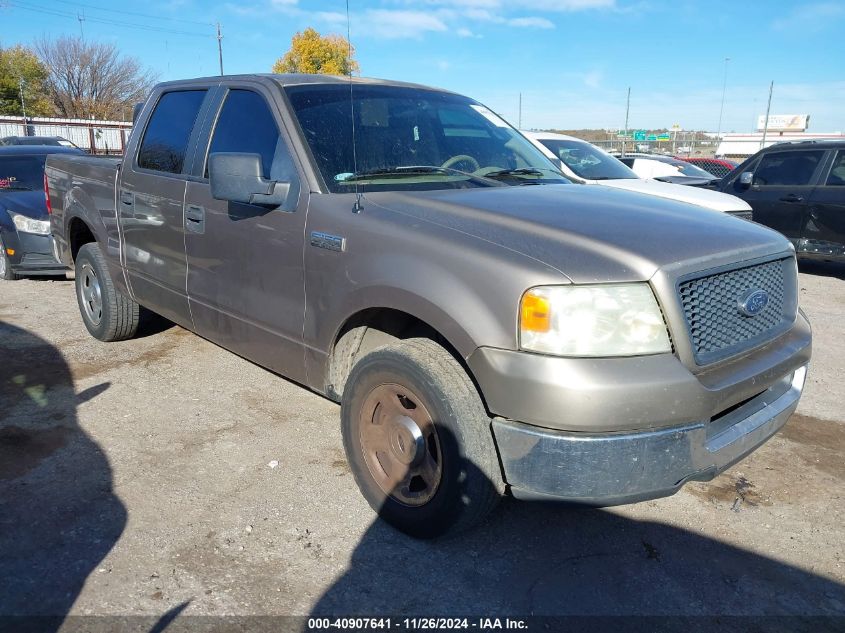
pixel 589 233
pixel 28 203
pixel 702 197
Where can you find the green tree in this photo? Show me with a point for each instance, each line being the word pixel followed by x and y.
pixel 16 63
pixel 315 54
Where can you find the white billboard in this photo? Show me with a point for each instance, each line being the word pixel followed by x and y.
pixel 784 122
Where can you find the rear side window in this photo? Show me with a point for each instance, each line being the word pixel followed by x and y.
pixel 246 125
pixel 837 172
pixel 166 138
pixel 795 168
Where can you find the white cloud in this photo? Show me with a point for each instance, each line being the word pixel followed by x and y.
pixel 464 32
pixel 389 24
pixel 532 22
pixel 811 17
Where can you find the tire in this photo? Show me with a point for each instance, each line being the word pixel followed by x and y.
pixel 436 474
pixel 107 314
pixel 6 272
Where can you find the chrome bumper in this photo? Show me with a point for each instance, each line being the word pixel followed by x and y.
pixel 614 468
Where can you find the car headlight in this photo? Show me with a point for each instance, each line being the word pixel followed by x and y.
pixel 29 225
pixel 593 320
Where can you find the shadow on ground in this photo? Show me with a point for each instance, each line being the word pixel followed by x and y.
pixel 555 560
pixel 822 268
pixel 58 513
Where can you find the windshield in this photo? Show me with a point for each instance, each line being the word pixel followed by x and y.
pixel 588 161
pixel 21 172
pixel 412 139
pixel 688 169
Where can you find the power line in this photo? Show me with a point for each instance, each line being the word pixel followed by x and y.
pixel 131 25
pixel 133 13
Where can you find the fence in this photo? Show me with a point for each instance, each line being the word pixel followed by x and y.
pixel 95 137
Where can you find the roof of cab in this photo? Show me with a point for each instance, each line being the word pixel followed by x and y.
pixel 296 79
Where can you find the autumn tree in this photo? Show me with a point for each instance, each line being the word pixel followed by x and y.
pixel 88 79
pixel 314 54
pixel 20 63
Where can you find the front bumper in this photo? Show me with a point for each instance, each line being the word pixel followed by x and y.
pixel 613 468
pixel 33 254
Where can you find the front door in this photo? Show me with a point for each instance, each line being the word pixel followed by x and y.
pixel 150 199
pixel 824 231
pixel 781 189
pixel 245 275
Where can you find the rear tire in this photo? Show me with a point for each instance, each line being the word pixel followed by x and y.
pixel 6 272
pixel 107 314
pixel 418 440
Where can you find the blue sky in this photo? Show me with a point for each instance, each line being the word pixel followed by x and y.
pixel 572 60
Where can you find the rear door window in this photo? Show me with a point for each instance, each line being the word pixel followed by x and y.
pixel 795 168
pixel 836 177
pixel 165 141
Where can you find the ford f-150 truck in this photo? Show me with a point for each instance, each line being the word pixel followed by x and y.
pixel 487 326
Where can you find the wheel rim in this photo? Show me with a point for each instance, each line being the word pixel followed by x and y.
pixel 2 259
pixel 400 444
pixel 90 295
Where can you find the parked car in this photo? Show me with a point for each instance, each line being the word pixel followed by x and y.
pixel 25 245
pixel 719 167
pixel 668 169
pixel 36 140
pixel 799 190
pixel 370 240
pixel 584 162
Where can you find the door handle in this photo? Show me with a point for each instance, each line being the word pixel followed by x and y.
pixel 127 197
pixel 792 198
pixel 195 219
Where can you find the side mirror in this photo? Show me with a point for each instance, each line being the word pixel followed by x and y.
pixel 745 179
pixel 238 178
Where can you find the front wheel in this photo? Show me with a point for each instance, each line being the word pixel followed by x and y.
pixel 6 272
pixel 108 314
pixel 418 440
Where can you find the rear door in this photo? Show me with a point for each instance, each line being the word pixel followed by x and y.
pixel 824 230
pixel 150 203
pixel 781 188
pixel 245 274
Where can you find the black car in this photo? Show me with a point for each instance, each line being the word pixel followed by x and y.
pixel 36 140
pixel 25 244
pixel 799 190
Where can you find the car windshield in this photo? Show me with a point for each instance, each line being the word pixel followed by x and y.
pixel 21 173
pixel 588 161
pixel 412 139
pixel 688 169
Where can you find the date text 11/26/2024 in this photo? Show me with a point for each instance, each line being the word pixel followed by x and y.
pixel 416 624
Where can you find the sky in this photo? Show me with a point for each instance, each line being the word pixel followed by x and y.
pixel 571 60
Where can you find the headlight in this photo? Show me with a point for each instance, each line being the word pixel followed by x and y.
pixel 29 225
pixel 595 320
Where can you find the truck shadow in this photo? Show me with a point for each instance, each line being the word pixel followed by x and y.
pixel 558 560
pixel 59 516
pixel 822 268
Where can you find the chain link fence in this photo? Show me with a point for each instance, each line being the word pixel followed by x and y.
pixel 94 136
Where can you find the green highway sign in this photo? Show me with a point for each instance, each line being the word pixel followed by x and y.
pixel 651 137
pixel 663 137
pixel 639 135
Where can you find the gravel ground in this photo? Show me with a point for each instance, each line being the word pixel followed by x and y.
pixel 164 476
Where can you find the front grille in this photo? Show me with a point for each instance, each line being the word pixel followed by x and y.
pixel 711 306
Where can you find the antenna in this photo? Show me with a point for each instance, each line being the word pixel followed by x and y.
pixel 220 48
pixel 357 207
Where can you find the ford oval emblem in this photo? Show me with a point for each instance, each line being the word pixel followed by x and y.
pixel 753 302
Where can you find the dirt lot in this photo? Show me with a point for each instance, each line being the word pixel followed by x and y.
pixel 164 475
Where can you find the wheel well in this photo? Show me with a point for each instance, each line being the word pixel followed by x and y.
pixel 372 328
pixel 79 234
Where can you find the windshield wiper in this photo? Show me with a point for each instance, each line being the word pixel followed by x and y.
pixel 399 172
pixel 524 171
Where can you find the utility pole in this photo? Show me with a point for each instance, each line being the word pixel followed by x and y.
pixel 627 111
pixel 81 19
pixel 220 48
pixel 766 122
pixel 519 122
pixel 23 107
pixel 722 107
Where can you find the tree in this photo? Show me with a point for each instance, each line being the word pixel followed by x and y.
pixel 16 63
pixel 86 79
pixel 314 54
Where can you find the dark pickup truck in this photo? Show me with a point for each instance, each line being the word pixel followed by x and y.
pixel 487 326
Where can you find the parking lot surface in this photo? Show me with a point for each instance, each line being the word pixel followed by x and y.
pixel 165 475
